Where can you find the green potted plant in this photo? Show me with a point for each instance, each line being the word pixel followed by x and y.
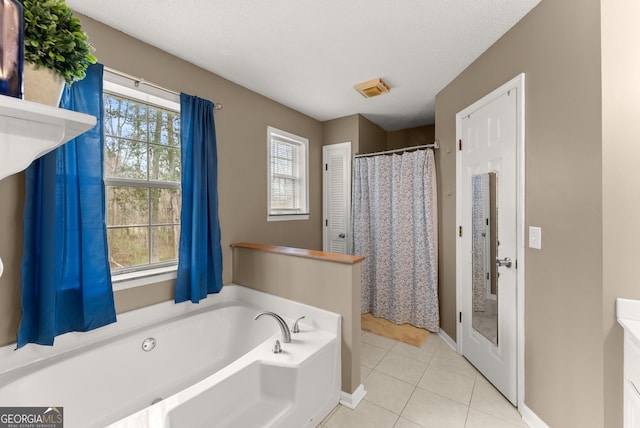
pixel 55 48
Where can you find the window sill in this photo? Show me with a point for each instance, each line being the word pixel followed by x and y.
pixel 287 217
pixel 145 277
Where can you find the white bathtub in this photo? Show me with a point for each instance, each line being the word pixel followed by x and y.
pixel 212 366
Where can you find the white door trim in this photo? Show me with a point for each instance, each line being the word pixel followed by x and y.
pixel 515 83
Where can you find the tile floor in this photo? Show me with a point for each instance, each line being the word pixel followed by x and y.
pixel 426 387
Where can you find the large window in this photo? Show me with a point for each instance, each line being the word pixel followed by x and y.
pixel 288 176
pixel 142 178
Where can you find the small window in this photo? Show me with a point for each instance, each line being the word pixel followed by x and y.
pixel 142 177
pixel 288 176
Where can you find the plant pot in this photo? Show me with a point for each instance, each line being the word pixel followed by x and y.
pixel 42 85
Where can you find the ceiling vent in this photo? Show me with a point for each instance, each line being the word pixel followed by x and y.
pixel 372 88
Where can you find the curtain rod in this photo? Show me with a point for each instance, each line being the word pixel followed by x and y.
pixel 435 145
pixel 138 80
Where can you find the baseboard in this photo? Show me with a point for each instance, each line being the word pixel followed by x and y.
pixel 528 416
pixel 445 337
pixel 352 400
pixel 531 418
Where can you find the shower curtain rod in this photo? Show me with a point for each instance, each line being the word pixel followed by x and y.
pixel 138 80
pixel 435 145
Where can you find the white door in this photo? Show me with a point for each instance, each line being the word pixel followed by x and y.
pixel 488 244
pixel 336 197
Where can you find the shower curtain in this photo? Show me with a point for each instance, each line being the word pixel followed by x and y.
pixel 394 226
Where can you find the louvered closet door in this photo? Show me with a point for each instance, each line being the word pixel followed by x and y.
pixel 336 201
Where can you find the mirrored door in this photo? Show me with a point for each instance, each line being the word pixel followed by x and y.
pixel 484 223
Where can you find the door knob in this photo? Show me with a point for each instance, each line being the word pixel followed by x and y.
pixel 342 235
pixel 506 262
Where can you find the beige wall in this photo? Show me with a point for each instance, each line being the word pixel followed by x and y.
pixel 133 298
pixel 12 191
pixel 620 178
pixel 367 137
pixel 342 130
pixel 417 136
pixel 372 138
pixel 241 129
pixel 557 46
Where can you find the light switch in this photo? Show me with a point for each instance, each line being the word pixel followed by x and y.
pixel 535 237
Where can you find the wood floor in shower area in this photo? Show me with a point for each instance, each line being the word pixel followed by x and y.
pixel 406 333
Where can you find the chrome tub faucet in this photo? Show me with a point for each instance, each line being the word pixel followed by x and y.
pixel 284 328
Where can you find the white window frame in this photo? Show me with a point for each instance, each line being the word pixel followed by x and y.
pixel 138 91
pixel 301 176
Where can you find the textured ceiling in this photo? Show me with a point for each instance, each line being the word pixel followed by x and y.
pixel 308 55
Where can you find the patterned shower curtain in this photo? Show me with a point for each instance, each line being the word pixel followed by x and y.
pixel 394 226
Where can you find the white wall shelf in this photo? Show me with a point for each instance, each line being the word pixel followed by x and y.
pixel 29 130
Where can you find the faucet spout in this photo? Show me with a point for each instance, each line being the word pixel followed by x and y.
pixel 284 328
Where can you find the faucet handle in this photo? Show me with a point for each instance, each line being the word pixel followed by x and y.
pixel 277 348
pixel 295 328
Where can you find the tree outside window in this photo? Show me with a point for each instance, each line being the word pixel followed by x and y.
pixel 142 179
